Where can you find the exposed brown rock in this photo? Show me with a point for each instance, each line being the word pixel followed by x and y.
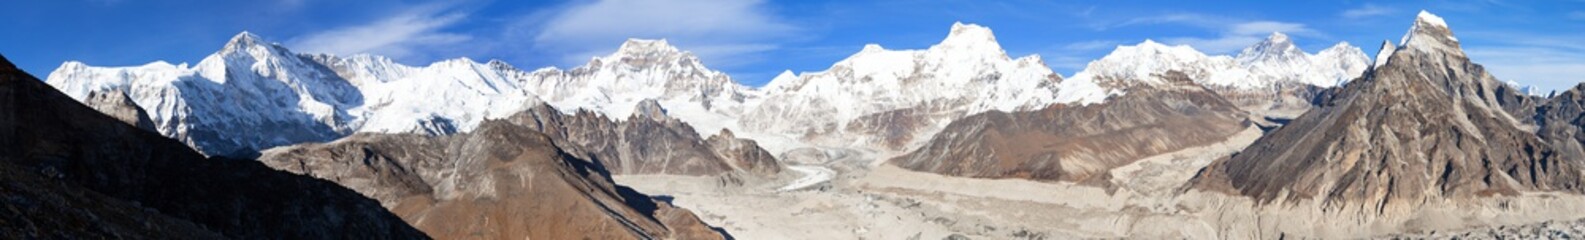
pixel 501 181
pixel 82 152
pixel 743 154
pixel 118 105
pixel 1562 122
pixel 648 142
pixel 1080 143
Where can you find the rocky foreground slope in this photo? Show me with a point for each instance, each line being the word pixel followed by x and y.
pixel 1424 125
pixel 72 172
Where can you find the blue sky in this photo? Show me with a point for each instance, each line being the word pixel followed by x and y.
pixel 1532 42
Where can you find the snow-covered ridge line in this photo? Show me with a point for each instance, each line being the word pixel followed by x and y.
pixel 1275 60
pixel 253 94
pixel 251 84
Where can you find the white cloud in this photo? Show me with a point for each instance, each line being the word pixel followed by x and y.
pixel 416 33
pixel 1237 36
pixel 1368 10
pixel 1267 27
pixel 1174 18
pixel 1090 45
pixel 723 32
pixel 1229 34
pixel 1547 68
pixel 1547 60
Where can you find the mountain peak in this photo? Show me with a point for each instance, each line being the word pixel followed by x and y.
pixel 1429 19
pixel 635 46
pixel 1276 47
pixel 1343 44
pixel 1152 47
pixel 1430 32
pixel 962 29
pixel 245 38
pixel 1278 37
pixel 971 37
pixel 248 43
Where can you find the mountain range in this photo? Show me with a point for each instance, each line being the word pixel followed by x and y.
pixel 464 149
pixel 877 99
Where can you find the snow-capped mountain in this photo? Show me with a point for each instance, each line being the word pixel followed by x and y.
pixel 885 99
pixel 646 69
pixel 276 97
pixel 1271 75
pixel 253 95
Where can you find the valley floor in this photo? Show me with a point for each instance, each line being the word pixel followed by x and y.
pixel 866 200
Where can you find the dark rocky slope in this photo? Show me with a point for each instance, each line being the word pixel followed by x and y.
pixel 99 177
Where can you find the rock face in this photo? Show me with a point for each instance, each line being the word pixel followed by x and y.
pixel 130 179
pixel 1561 121
pixel 648 142
pixel 1080 143
pixel 501 181
pixel 1424 124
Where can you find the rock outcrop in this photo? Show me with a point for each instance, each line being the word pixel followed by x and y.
pixel 647 142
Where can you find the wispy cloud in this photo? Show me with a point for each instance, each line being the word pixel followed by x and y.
pixel 1368 10
pixel 723 31
pixel 1090 45
pixel 1549 61
pixel 1192 19
pixel 1577 15
pixel 1229 34
pixel 414 33
pixel 1237 36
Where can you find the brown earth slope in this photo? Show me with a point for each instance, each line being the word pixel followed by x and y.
pixel 501 181
pixel 1080 143
pixel 81 152
pixel 1427 125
